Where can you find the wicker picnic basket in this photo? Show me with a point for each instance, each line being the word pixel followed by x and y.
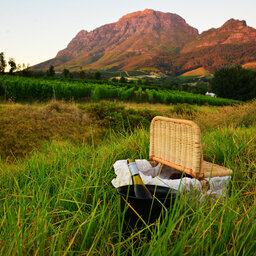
pixel 177 143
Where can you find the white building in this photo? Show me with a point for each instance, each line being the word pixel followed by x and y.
pixel 211 94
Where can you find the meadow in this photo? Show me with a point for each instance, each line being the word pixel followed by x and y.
pixel 56 165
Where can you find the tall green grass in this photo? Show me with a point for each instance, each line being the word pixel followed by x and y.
pixel 60 201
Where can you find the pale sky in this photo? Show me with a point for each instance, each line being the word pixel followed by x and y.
pixel 32 31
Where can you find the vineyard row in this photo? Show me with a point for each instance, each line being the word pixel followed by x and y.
pixel 22 89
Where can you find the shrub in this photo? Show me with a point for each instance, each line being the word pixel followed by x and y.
pixel 109 114
pixel 97 75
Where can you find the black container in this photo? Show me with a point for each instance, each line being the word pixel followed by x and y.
pixel 148 209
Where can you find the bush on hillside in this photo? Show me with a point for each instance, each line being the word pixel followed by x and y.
pixel 111 115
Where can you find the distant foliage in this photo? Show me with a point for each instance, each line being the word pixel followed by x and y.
pixel 2 63
pixel 66 73
pixel 82 75
pixel 50 72
pixel 12 65
pixel 123 80
pixel 234 83
pixel 97 75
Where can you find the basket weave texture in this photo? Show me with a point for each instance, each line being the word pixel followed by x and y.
pixel 177 143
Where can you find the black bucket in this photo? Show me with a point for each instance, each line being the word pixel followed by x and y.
pixel 148 209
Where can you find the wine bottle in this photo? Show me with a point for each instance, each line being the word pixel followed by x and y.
pixel 140 189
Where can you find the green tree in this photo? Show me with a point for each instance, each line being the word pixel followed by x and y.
pixel 12 65
pixel 50 72
pixel 82 75
pixel 97 75
pixel 2 63
pixel 123 80
pixel 234 83
pixel 202 87
pixel 66 73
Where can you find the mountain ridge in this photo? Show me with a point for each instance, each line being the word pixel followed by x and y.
pixel 153 39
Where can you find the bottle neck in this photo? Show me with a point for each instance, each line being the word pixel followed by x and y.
pixel 133 168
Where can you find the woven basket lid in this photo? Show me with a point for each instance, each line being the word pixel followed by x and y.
pixel 177 143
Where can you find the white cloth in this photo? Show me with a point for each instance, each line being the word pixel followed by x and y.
pixel 149 175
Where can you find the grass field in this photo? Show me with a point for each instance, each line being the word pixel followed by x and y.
pixel 56 196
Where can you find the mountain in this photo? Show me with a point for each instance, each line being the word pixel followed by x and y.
pixel 153 40
pixel 234 43
pixel 232 32
pixel 126 44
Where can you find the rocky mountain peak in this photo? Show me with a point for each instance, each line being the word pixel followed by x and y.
pixel 158 40
pixel 234 24
pixel 153 20
pixel 153 24
pixel 138 14
pixel 82 33
pixel 231 32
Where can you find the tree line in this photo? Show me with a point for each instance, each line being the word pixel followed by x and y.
pixel 24 69
pixel 50 72
pixel 234 83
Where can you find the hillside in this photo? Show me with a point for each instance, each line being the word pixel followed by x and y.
pixel 250 65
pixel 231 32
pixel 156 41
pixel 197 72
